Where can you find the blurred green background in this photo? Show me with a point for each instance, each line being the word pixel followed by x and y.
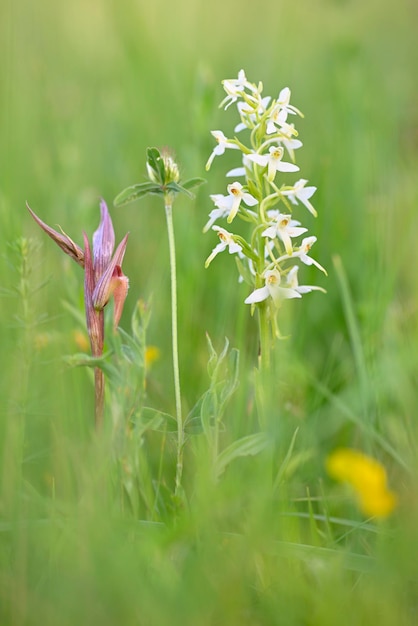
pixel 85 88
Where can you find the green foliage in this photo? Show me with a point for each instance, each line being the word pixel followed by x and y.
pixel 246 446
pixel 163 173
pixel 223 370
pixel 89 529
pixel 134 192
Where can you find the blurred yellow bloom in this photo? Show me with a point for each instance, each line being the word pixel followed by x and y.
pixel 42 340
pixel 367 477
pixel 152 354
pixel 81 340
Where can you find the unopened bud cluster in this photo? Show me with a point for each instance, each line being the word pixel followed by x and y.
pixel 165 171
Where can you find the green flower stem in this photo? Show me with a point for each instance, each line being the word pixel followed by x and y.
pixel 265 338
pixel 176 369
pixel 263 377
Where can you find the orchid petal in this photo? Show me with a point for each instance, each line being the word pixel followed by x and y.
pixel 61 239
pixel 258 295
pixel 103 241
pixel 284 166
pixel 94 319
pixel 103 288
pixel 120 286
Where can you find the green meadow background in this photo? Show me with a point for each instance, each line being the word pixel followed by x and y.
pixel 85 87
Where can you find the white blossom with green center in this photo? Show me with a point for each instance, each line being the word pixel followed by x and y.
pixel 273 290
pixel 273 161
pixel 226 241
pixel 223 144
pixel 302 194
pixel 285 228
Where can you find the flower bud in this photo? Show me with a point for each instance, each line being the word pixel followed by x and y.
pixel 172 173
pixel 161 167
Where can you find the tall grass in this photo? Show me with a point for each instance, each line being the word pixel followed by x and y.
pixel 87 535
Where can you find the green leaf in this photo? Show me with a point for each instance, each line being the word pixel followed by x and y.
pixel 196 410
pixel 272 201
pixel 285 463
pixel 135 192
pixel 156 162
pixel 200 417
pixel 246 446
pixel 252 188
pixel 212 356
pixel 132 355
pixel 176 188
pixel 223 373
pixel 152 419
pixel 193 182
pixel 141 316
pixel 261 130
pixel 208 412
pixel 147 419
pixel 231 383
pixel 215 363
pixel 242 146
pixel 193 426
pixel 85 360
pixel 246 248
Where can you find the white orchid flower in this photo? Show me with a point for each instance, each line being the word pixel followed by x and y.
pixel 292 282
pixel 235 87
pixel 226 241
pixel 301 193
pixel 272 289
pixel 227 206
pixel 303 251
pixel 280 111
pixel 236 172
pixel 236 194
pixel 273 161
pixel 249 114
pixel 285 228
pixel 222 210
pixel 289 142
pixel 223 144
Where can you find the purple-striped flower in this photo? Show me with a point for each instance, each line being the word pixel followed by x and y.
pixel 103 276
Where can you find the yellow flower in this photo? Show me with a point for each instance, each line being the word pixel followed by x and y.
pixel 81 340
pixel 377 503
pixel 368 479
pixel 152 354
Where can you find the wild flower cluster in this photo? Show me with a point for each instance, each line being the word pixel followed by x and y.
pixel 268 260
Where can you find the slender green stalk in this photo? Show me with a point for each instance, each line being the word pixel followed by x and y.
pixel 160 473
pixel 174 335
pixel 21 368
pixel 354 331
pixel 264 363
pixel 164 179
pixel 265 339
